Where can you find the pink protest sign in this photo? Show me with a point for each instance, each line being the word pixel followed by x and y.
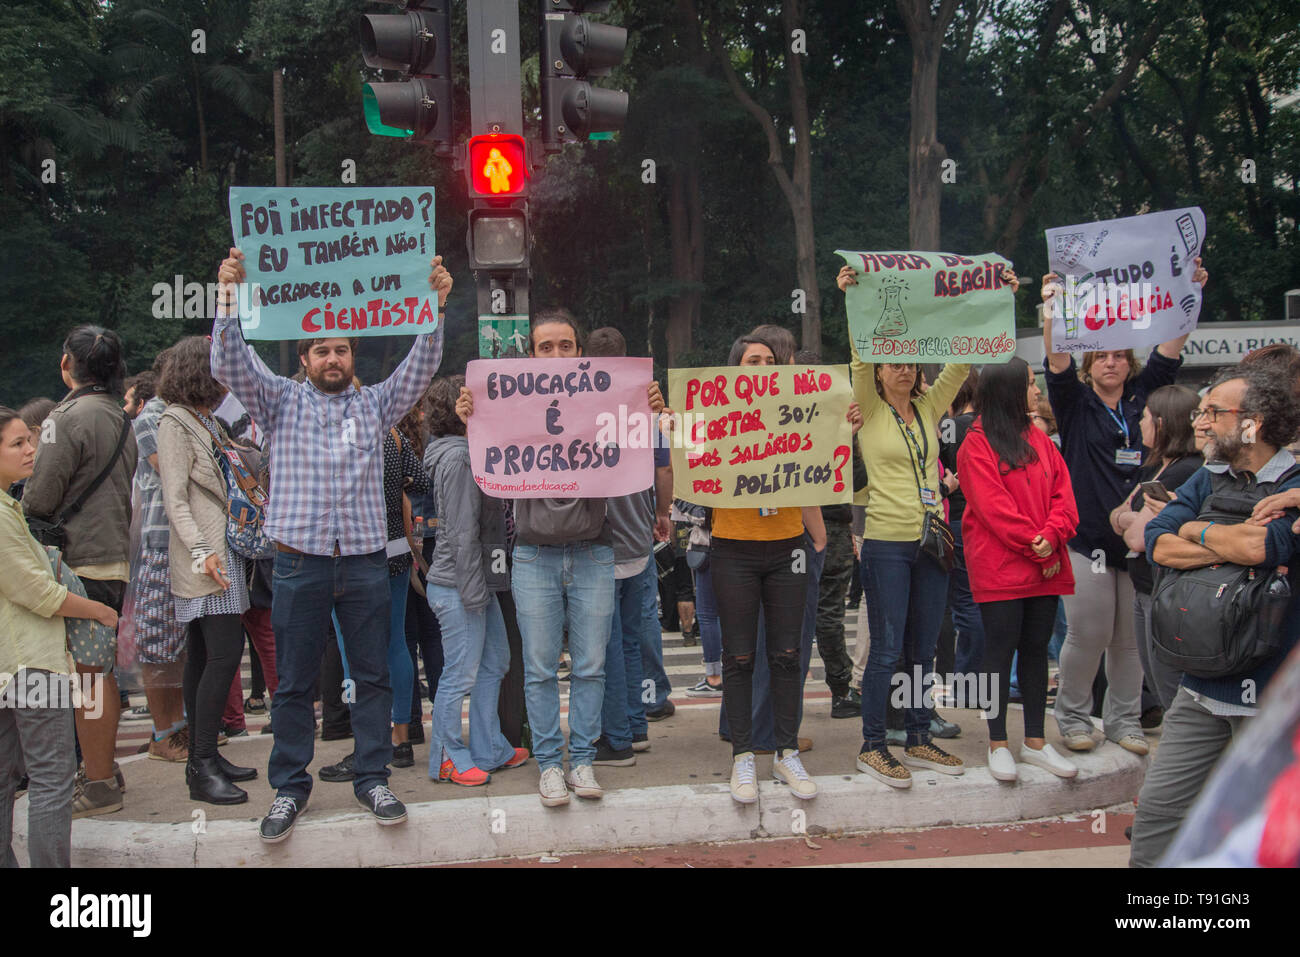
pixel 561 428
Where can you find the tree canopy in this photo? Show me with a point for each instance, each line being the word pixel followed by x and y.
pixel 120 133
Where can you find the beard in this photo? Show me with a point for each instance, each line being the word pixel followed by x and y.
pixel 1226 449
pixel 338 380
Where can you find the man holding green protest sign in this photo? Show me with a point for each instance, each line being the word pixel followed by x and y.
pixel 326 515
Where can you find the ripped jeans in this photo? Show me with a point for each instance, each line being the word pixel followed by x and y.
pixel 773 576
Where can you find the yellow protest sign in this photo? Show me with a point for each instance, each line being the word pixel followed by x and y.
pixel 761 436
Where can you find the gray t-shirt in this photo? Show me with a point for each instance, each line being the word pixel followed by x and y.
pixel 632 523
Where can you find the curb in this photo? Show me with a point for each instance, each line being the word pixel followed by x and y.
pixel 469 829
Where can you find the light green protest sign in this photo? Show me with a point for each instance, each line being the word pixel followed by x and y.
pixel 930 307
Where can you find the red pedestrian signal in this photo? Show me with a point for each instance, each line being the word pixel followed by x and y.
pixel 498 166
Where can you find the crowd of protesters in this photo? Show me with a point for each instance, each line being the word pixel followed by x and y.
pixel 995 530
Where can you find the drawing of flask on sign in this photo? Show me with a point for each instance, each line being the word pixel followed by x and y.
pixel 892 320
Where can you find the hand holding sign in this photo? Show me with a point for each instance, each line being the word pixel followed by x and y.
pixel 334 262
pixel 771 436
pixel 1124 283
pixel 929 307
pixel 559 428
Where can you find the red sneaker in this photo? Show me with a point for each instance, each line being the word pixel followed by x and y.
pixel 471 779
pixel 521 757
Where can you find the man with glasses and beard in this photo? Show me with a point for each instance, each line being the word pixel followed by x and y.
pixel 1247 417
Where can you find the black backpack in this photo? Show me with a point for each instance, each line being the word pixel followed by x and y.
pixel 1224 619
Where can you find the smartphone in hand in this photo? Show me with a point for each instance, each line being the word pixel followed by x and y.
pixel 1156 490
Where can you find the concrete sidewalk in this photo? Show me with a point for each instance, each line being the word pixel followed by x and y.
pixel 676 793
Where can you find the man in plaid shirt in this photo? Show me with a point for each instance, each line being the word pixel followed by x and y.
pixel 326 515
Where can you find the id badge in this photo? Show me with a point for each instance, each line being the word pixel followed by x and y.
pixel 765 512
pixel 928 497
pixel 1128 456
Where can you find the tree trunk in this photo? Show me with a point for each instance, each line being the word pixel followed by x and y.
pixel 685 224
pixel 925 153
pixel 203 125
pixel 796 185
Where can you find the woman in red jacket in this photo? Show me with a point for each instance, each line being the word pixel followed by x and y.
pixel 1020 513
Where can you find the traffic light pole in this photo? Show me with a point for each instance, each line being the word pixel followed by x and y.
pixel 495 106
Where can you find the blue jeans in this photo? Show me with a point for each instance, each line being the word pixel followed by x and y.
pixel 761 734
pixel 401 669
pixel 307 588
pixel 706 613
pixel 476 655
pixel 623 714
pixel 652 649
pixel 555 586
pixel 966 618
pixel 905 589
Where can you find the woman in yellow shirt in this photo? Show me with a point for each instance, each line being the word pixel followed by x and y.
pixel 36 728
pixel 905 589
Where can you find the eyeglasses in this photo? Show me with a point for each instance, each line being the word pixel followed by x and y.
pixel 1212 414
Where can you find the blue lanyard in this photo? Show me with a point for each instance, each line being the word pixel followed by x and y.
pixel 1119 420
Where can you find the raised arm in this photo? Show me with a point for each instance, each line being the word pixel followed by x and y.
pixel 401 390
pixel 236 364
pixel 1174 347
pixel 1053 292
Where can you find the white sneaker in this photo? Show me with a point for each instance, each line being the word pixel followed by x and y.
pixel 789 769
pixel 1002 765
pixel 1049 759
pixel 744 788
pixel 583 781
pixel 552 789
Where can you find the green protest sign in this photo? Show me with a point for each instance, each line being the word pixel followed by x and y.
pixel 930 307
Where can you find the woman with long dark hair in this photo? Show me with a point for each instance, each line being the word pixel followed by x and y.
pixel 85 436
pixel 1020 513
pixel 209 580
pixel 1167 431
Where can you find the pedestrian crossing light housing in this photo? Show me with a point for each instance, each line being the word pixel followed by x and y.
pixel 498 238
pixel 497 165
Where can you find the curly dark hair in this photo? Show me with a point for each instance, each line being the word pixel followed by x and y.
pixel 187 375
pixel 145 385
pixel 1268 396
pixel 440 406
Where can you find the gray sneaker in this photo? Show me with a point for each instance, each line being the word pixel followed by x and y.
pixel 96 797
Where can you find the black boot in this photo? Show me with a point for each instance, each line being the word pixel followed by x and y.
pixel 233 772
pixel 208 784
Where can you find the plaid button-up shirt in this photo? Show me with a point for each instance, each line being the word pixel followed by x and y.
pixel 327 451
pixel 155 530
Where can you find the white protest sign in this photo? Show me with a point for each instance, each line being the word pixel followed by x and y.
pixel 1128 282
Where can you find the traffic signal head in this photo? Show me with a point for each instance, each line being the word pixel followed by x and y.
pixel 498 238
pixel 497 166
pixel 418 44
pixel 573 48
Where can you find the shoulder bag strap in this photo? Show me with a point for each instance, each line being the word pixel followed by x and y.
pixel 74 507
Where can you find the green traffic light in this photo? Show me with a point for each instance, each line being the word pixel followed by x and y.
pixel 370 105
pixel 601 135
